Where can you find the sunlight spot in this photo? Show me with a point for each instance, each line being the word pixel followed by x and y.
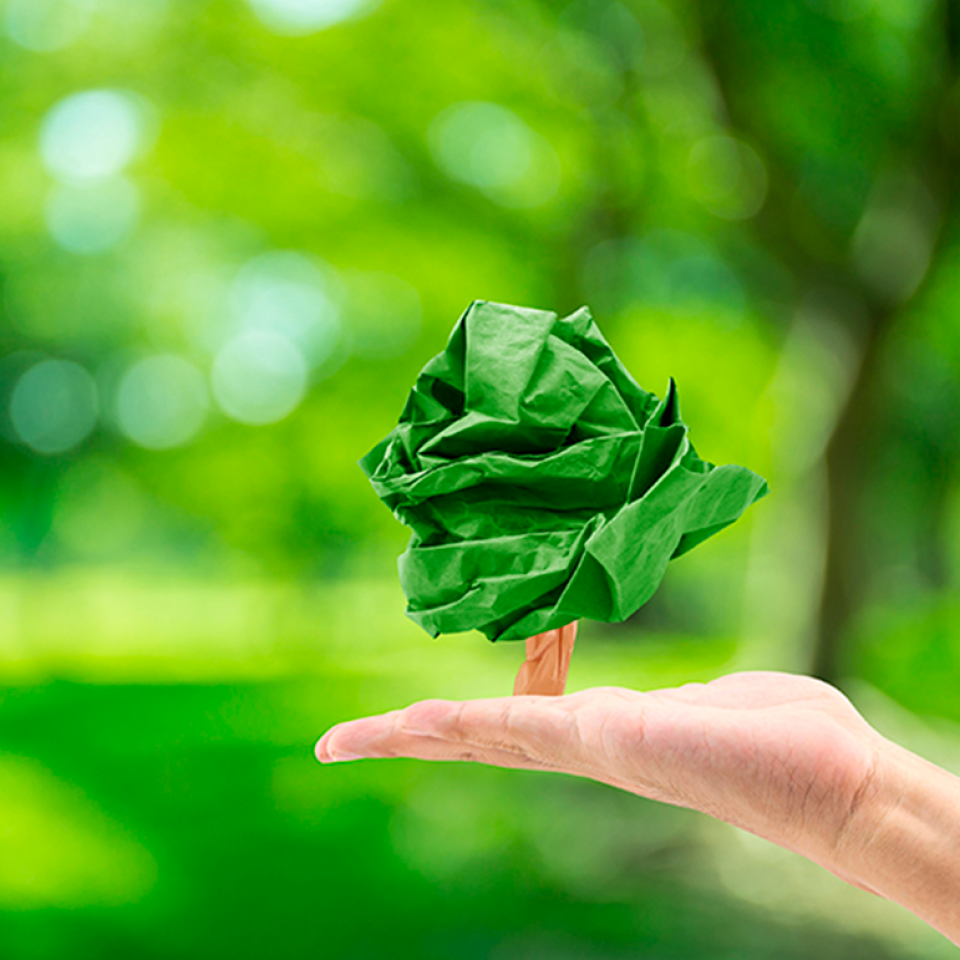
pixel 489 147
pixel 54 406
pixel 288 293
pixel 162 402
pixel 92 134
pixel 93 218
pixel 259 378
pixel 47 25
pixel 301 17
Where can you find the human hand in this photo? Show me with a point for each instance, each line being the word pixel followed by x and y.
pixel 785 757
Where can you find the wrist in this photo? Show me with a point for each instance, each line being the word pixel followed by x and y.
pixel 902 840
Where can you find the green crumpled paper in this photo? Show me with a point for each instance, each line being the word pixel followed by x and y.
pixel 541 482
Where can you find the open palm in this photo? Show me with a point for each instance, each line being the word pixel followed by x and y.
pixel 786 757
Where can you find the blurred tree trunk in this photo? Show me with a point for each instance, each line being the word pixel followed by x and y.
pixel 851 453
pixel 849 456
pixel 929 152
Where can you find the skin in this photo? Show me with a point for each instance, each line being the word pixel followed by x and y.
pixel 785 757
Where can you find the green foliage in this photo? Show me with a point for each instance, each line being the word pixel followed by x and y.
pixel 758 199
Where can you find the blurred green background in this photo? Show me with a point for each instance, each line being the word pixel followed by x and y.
pixel 231 233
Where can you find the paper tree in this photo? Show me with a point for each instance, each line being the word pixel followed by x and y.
pixel 542 484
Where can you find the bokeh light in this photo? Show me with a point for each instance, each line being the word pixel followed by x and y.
pixel 302 17
pixel 47 25
pixel 94 217
pixel 384 313
pixel 259 377
pixel 162 402
pixel 54 406
pixel 727 177
pixel 92 134
pixel 289 293
pixel 12 367
pixel 491 148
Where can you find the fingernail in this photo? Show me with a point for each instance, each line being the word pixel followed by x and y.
pixel 336 757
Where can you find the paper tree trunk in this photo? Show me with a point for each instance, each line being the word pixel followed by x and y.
pixel 544 672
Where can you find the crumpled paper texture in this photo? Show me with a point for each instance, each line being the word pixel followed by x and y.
pixel 542 484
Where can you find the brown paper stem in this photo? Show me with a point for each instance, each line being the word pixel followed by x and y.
pixel 544 672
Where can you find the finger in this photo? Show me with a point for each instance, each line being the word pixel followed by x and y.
pixel 537 729
pixel 540 728
pixel 350 740
pixel 416 747
pixel 384 737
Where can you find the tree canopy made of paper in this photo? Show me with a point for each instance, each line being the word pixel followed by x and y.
pixel 542 484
